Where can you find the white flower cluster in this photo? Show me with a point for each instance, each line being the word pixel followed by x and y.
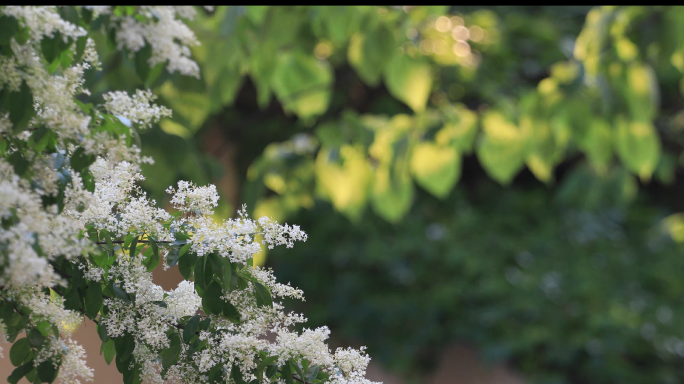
pixel 188 198
pixel 118 205
pixel 168 36
pixel 71 354
pixel 232 238
pixel 137 108
pixel 29 230
pixel 43 21
pixel 35 233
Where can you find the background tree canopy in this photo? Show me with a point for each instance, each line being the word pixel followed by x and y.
pixel 502 175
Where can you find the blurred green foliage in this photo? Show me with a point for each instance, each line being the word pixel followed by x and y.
pixel 565 295
pixel 381 130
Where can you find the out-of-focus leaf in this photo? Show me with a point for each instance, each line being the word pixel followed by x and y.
pixel 409 80
pixel 436 168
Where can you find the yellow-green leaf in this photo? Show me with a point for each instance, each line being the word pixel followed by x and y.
pixel 392 193
pixel 502 150
pixel 638 146
pixel 436 168
pixel 459 130
pixel 345 183
pixel 409 80
pixel 302 84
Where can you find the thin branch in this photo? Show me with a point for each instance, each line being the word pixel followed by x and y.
pixel 295 378
pixel 139 241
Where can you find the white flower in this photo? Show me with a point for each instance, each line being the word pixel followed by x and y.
pixel 137 108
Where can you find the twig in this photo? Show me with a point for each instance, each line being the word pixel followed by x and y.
pixel 139 241
pixel 295 378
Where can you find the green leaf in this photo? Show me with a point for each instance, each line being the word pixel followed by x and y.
pixel 302 83
pixel 50 47
pixel 235 278
pixel 211 300
pixel 184 249
pixel 20 351
pixel 263 364
pixel 33 376
pixel 44 327
pixel 40 138
pixel 87 15
pixel 20 164
pixel 322 376
pixel 120 293
pixel 216 374
pixel 109 351
pixel 190 328
pixel 142 65
pixel 263 295
pixel 20 105
pixel 236 375
pixel 65 58
pixel 436 168
pixel 20 372
pixel 93 300
pixel 409 80
pixel 124 346
pixel 186 263
pixel 172 257
pixel 257 13
pixel 203 272
pixel 133 248
pixel 79 160
pixel 459 130
pixel 35 338
pixel 271 370
pixel 108 238
pixel 204 324
pixel 47 371
pixel 80 47
pixel 311 373
pixel 52 67
pixel 8 26
pixel 22 35
pixel 227 274
pixel 102 332
pixel 152 260
pixel 597 143
pixel 286 372
pixel 642 92
pixel 230 312
pixel 216 265
pixel 132 376
pixel 392 192
pixel 638 146
pixel 72 299
pixel 369 53
pixel 171 354
pixel 297 368
pixel 502 151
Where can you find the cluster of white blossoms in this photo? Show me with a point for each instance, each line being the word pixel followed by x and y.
pixel 49 219
pixel 117 205
pixel 137 108
pixel 43 22
pixel 169 37
pixel 235 239
pixel 30 230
